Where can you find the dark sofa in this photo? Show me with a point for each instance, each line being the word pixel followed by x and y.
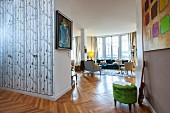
pixel 99 61
pixel 109 64
pixel 123 61
pixel 108 61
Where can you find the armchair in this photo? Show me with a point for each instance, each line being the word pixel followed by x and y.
pixel 125 94
pixel 128 67
pixel 89 66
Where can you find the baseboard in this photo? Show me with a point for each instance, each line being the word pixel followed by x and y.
pixel 150 107
pixel 30 94
pixel 55 97
pixel 52 98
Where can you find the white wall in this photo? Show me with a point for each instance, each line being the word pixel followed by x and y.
pixel 76 32
pixel 76 28
pixel 138 72
pixel 62 58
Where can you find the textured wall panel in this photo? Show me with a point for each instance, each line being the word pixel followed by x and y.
pixel 1 40
pixel 26 45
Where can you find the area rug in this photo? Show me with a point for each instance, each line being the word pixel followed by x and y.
pixel 116 73
pixel 110 72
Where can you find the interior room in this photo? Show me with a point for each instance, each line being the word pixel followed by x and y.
pixel 84 56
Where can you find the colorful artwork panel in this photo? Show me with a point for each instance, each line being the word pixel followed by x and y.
pixel 156 24
pixel 147 19
pixel 146 5
pixel 148 34
pixel 163 4
pixel 155 30
pixel 165 24
pixel 154 10
pixel 166 3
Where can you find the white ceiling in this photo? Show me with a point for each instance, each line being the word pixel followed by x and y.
pixel 103 17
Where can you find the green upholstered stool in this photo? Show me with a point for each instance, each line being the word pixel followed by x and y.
pixel 125 94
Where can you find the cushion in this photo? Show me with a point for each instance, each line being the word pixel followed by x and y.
pixel 102 62
pixel 109 61
pixel 115 63
pixel 98 61
pixel 123 61
pixel 96 64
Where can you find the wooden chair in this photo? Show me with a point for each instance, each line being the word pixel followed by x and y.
pixel 128 67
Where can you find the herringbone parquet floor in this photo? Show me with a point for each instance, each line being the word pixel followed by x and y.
pixel 91 95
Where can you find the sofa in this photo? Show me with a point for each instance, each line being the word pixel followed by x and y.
pixel 109 64
pixel 99 61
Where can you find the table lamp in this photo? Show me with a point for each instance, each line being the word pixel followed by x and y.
pixel 91 54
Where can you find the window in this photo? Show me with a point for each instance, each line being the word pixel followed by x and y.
pixel 100 48
pixel 125 47
pixel 108 47
pixel 116 47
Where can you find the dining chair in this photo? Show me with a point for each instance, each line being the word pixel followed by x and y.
pixel 128 67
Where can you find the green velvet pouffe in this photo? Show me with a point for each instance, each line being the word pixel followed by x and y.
pixel 125 94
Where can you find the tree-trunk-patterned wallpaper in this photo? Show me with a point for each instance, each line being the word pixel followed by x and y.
pixel 26 45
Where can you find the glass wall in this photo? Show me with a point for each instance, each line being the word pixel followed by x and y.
pixel 100 48
pixel 108 47
pixel 125 47
pixel 113 47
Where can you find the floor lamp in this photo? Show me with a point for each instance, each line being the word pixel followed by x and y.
pixel 91 54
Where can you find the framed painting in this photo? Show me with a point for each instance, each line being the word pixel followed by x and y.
pixel 63 31
pixel 156 24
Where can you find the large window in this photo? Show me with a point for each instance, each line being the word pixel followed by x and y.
pixel 113 47
pixel 108 47
pixel 125 47
pixel 100 48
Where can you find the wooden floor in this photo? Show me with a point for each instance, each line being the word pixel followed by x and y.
pixel 91 95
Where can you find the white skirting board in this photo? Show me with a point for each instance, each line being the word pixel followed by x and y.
pixel 150 107
pixel 55 97
pixel 52 98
